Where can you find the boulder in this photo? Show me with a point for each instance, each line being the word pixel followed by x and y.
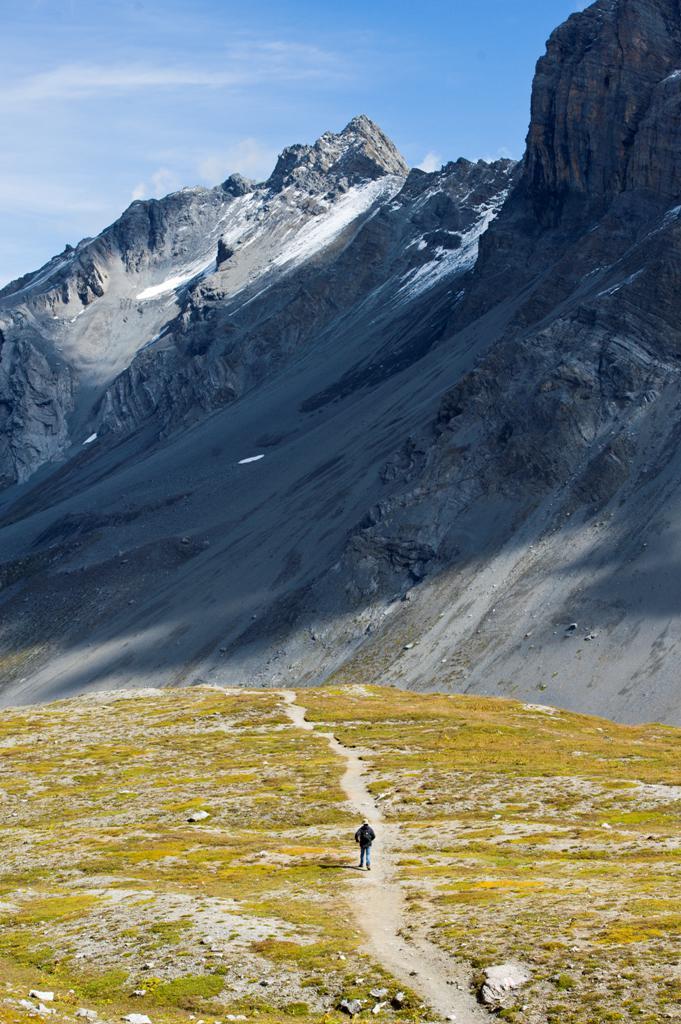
pixel 44 997
pixel 503 981
pixel 198 816
pixel 350 1006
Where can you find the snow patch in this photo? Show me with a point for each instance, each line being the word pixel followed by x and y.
pixel 229 228
pixel 251 458
pixel 319 233
pixel 90 439
pixel 171 284
pixel 622 284
pixel 447 262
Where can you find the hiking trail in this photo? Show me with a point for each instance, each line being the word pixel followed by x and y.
pixel 414 961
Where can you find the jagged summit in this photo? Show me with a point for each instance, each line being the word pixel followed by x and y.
pixel 360 152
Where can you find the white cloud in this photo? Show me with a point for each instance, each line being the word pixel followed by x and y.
pixel 431 162
pixel 247 156
pixel 245 64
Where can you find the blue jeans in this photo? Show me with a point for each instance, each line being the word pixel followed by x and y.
pixel 365 853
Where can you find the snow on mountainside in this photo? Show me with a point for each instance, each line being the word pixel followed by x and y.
pixel 74 327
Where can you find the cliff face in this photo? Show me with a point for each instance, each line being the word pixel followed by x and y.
pixel 604 95
pixel 36 396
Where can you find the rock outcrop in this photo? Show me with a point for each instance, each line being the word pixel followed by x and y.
pixel 361 152
pixel 36 397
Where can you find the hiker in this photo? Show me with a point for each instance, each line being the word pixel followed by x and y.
pixel 365 836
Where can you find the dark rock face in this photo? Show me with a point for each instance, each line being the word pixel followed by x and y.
pixel 36 395
pixel 600 90
pixel 225 252
pixel 603 143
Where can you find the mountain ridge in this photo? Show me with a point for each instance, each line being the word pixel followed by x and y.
pixel 461 392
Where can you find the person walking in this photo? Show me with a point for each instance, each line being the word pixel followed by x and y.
pixel 365 836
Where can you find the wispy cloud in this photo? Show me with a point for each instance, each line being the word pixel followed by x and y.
pixel 246 64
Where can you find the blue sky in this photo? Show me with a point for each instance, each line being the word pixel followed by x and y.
pixel 104 102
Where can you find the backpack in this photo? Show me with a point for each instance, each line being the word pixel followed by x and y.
pixel 366 835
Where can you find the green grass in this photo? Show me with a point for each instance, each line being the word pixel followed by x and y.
pixel 503 853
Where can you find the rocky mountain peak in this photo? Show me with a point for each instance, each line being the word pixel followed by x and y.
pixel 360 152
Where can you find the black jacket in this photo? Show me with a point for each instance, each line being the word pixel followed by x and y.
pixel 365 835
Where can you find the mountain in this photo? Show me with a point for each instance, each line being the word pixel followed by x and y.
pixel 76 325
pixel 461 390
pixel 140 368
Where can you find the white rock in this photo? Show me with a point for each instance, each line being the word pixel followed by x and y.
pixel 378 1007
pixel 87 1014
pixel 502 980
pixel 605 825
pixel 198 816
pixel 44 997
pixel 137 1018
pixel 350 1006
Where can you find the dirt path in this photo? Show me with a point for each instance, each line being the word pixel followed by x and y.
pixel 380 905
